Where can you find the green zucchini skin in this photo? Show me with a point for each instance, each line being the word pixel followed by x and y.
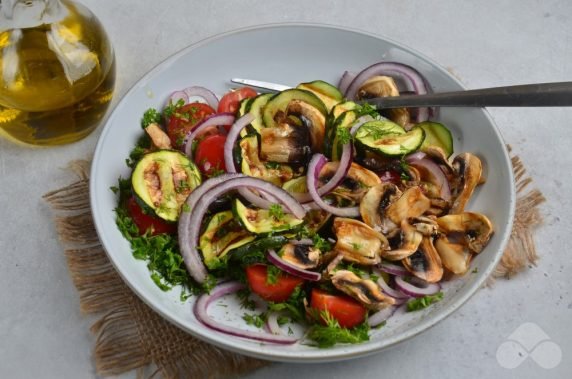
pixel 388 138
pixel 437 134
pixel 328 93
pixel 164 165
pixel 261 221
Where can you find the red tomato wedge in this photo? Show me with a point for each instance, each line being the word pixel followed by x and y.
pixel 145 222
pixel 278 292
pixel 230 101
pixel 347 311
pixel 184 119
pixel 209 154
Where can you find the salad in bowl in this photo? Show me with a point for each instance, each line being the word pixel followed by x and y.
pixel 313 208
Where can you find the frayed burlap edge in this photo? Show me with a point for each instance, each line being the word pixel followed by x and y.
pixel 129 335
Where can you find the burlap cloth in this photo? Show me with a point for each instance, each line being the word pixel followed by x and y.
pixel 129 335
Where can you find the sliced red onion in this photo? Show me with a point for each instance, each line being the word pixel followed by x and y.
pixel 393 269
pixel 416 156
pixel 272 324
pixel 345 81
pixel 204 93
pixel 209 122
pixel 411 75
pixel 178 95
pixel 412 290
pixel 190 222
pixel 201 308
pixel 396 294
pixel 192 258
pixel 288 267
pixel 380 316
pixel 316 164
pixel 438 176
pixel 303 241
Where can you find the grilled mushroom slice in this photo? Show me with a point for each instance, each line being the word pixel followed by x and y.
pixel 406 243
pixel 474 228
pixel 358 242
pixel 426 225
pixel 366 291
pixel 455 257
pixel 287 142
pixel 355 185
pixel 302 256
pixel 374 204
pixel 159 138
pixel 413 203
pixel 312 119
pixel 425 263
pixel 469 170
pixel 384 86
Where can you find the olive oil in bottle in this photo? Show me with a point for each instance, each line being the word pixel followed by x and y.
pixel 57 71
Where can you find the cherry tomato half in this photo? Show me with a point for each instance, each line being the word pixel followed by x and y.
pixel 209 155
pixel 347 311
pixel 278 292
pixel 184 119
pixel 145 221
pixel 230 101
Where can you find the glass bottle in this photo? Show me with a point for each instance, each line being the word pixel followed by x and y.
pixel 57 71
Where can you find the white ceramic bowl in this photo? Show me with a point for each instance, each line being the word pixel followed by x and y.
pixel 290 54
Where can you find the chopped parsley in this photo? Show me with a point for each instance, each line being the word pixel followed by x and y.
pixel 332 333
pixel 256 320
pixel 321 243
pixel 272 274
pixel 151 116
pixel 294 306
pixel 344 135
pixel 423 302
pixel 172 108
pixel 276 212
pixel 367 109
pixel 245 301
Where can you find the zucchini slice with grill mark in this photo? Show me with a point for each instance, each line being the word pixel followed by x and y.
pixel 162 180
pixel 437 134
pixel 260 221
pixel 222 234
pixel 275 110
pixel 329 94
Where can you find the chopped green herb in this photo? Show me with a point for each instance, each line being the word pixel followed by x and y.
pixel 356 246
pixel 294 306
pixel 366 109
pixel 344 135
pixel 272 274
pixel 423 302
pixel 256 320
pixel 172 108
pixel 186 207
pixel 276 212
pixel 321 243
pixel 272 165
pixel 151 116
pixel 283 320
pixel 332 333
pixel 245 301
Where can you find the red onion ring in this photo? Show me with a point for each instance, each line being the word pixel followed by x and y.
pixel 393 269
pixel 190 222
pixel 192 258
pixel 345 81
pixel 288 267
pixel 316 164
pixel 396 294
pixel 271 324
pixel 209 122
pixel 381 316
pixel 178 95
pixel 207 95
pixel 203 302
pixel 436 172
pixel 413 77
pixel 411 290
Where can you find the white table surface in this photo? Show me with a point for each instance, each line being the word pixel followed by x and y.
pixel 485 43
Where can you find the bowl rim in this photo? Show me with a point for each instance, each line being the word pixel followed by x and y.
pixel 321 355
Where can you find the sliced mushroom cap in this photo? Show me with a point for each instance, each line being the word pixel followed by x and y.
pixel 426 225
pixel 358 242
pixel 365 291
pixel 313 119
pixel 425 263
pixel 285 143
pixel 384 86
pixel 302 256
pixel 374 204
pixel 469 170
pixel 439 207
pixel 252 166
pixel 455 257
pixel 438 156
pixel 475 229
pixel 413 203
pixel 355 185
pixel 406 243
pixel 158 136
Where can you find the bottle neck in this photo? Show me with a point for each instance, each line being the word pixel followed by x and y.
pixel 21 14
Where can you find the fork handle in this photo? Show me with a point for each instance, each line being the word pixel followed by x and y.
pixel 528 95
